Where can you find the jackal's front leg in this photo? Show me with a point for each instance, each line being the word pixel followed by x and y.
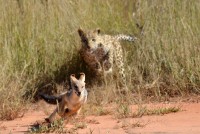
pixel 53 116
pixel 57 113
pixel 69 112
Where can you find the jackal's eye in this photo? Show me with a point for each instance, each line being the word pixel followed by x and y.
pixel 76 86
pixel 94 40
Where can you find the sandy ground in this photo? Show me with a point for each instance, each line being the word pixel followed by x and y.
pixel 186 121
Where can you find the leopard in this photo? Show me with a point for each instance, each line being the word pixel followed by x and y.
pixel 101 51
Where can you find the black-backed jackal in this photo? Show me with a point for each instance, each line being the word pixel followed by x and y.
pixel 68 103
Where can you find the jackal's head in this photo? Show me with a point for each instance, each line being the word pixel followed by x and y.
pixel 78 85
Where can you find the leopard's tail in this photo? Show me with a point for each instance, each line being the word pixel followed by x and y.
pixel 51 99
pixel 125 37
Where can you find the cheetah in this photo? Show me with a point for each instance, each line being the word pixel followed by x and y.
pixel 101 51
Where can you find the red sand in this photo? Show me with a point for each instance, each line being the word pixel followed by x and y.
pixel 185 121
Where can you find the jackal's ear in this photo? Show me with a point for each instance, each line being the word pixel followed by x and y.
pixel 72 78
pixel 82 77
pixel 97 30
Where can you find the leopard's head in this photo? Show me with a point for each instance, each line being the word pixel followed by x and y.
pixel 89 38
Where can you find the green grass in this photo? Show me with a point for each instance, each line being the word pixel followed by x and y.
pixel 126 125
pixel 123 111
pixel 80 125
pixel 55 127
pixel 141 111
pixel 39 46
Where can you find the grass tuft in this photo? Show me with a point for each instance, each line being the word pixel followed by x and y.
pixel 142 111
pixel 55 127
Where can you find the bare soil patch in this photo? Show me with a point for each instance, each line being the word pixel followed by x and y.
pixel 187 120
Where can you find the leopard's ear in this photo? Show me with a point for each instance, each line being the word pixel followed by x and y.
pixel 81 33
pixel 97 30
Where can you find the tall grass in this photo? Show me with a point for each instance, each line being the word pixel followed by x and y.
pixel 167 56
pixel 39 44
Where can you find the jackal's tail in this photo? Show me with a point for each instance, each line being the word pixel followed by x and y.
pixel 125 37
pixel 51 99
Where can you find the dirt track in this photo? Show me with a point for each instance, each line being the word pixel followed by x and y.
pixel 185 121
